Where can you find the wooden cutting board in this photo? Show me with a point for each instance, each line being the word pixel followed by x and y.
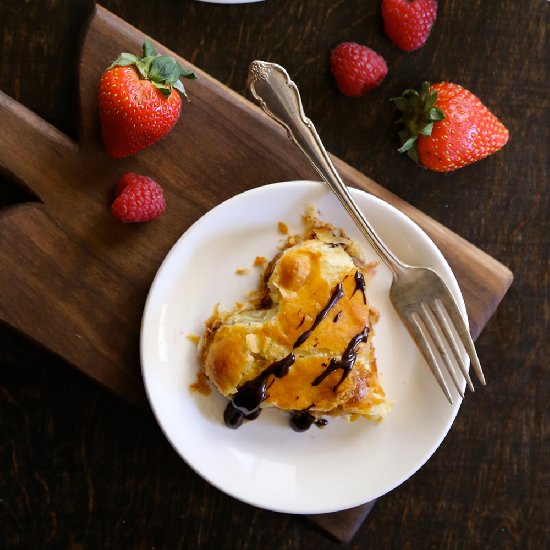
pixel 75 280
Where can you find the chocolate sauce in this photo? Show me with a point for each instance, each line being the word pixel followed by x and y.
pixel 300 421
pixel 336 295
pixel 233 418
pixel 360 285
pixel 246 402
pixel 301 322
pixel 254 415
pixel 337 316
pixel 347 361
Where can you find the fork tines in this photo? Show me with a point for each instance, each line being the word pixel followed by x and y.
pixel 432 319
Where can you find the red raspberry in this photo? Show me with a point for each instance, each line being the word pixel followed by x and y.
pixel 408 22
pixel 138 199
pixel 356 68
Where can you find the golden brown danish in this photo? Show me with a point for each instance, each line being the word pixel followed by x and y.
pixel 305 344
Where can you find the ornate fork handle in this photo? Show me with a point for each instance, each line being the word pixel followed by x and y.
pixel 279 97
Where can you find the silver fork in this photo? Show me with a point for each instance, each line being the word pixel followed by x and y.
pixel 421 298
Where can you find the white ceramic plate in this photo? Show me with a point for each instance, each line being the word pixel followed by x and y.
pixel 264 462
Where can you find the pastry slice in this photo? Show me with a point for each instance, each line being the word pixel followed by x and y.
pixel 305 345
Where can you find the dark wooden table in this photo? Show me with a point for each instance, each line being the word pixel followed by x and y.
pixel 80 468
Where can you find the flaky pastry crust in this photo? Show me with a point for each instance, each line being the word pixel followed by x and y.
pixel 295 288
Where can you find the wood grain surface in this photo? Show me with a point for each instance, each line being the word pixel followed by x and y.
pixel 81 469
pixel 71 253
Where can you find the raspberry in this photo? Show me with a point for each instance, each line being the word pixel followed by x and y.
pixel 408 23
pixel 356 68
pixel 138 199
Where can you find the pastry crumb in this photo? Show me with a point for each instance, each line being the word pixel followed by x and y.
pixel 201 385
pixel 193 338
pixel 283 228
pixel 242 271
pixel 259 261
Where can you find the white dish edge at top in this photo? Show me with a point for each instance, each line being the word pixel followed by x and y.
pixel 229 1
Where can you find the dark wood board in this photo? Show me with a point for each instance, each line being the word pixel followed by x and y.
pixel 97 485
pixel 92 273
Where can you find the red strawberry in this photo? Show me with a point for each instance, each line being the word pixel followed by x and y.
pixel 138 199
pixel 447 127
pixel 137 101
pixel 357 69
pixel 408 22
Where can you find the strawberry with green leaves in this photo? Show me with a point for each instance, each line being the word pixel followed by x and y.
pixel 446 127
pixel 139 101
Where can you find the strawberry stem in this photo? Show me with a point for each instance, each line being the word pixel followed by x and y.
pixel 419 114
pixel 162 71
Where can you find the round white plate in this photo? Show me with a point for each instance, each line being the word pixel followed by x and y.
pixel 264 462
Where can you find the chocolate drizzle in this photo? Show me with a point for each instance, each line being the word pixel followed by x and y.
pixel 337 316
pixel 300 421
pixel 336 295
pixel 360 285
pixel 346 362
pixel 246 402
